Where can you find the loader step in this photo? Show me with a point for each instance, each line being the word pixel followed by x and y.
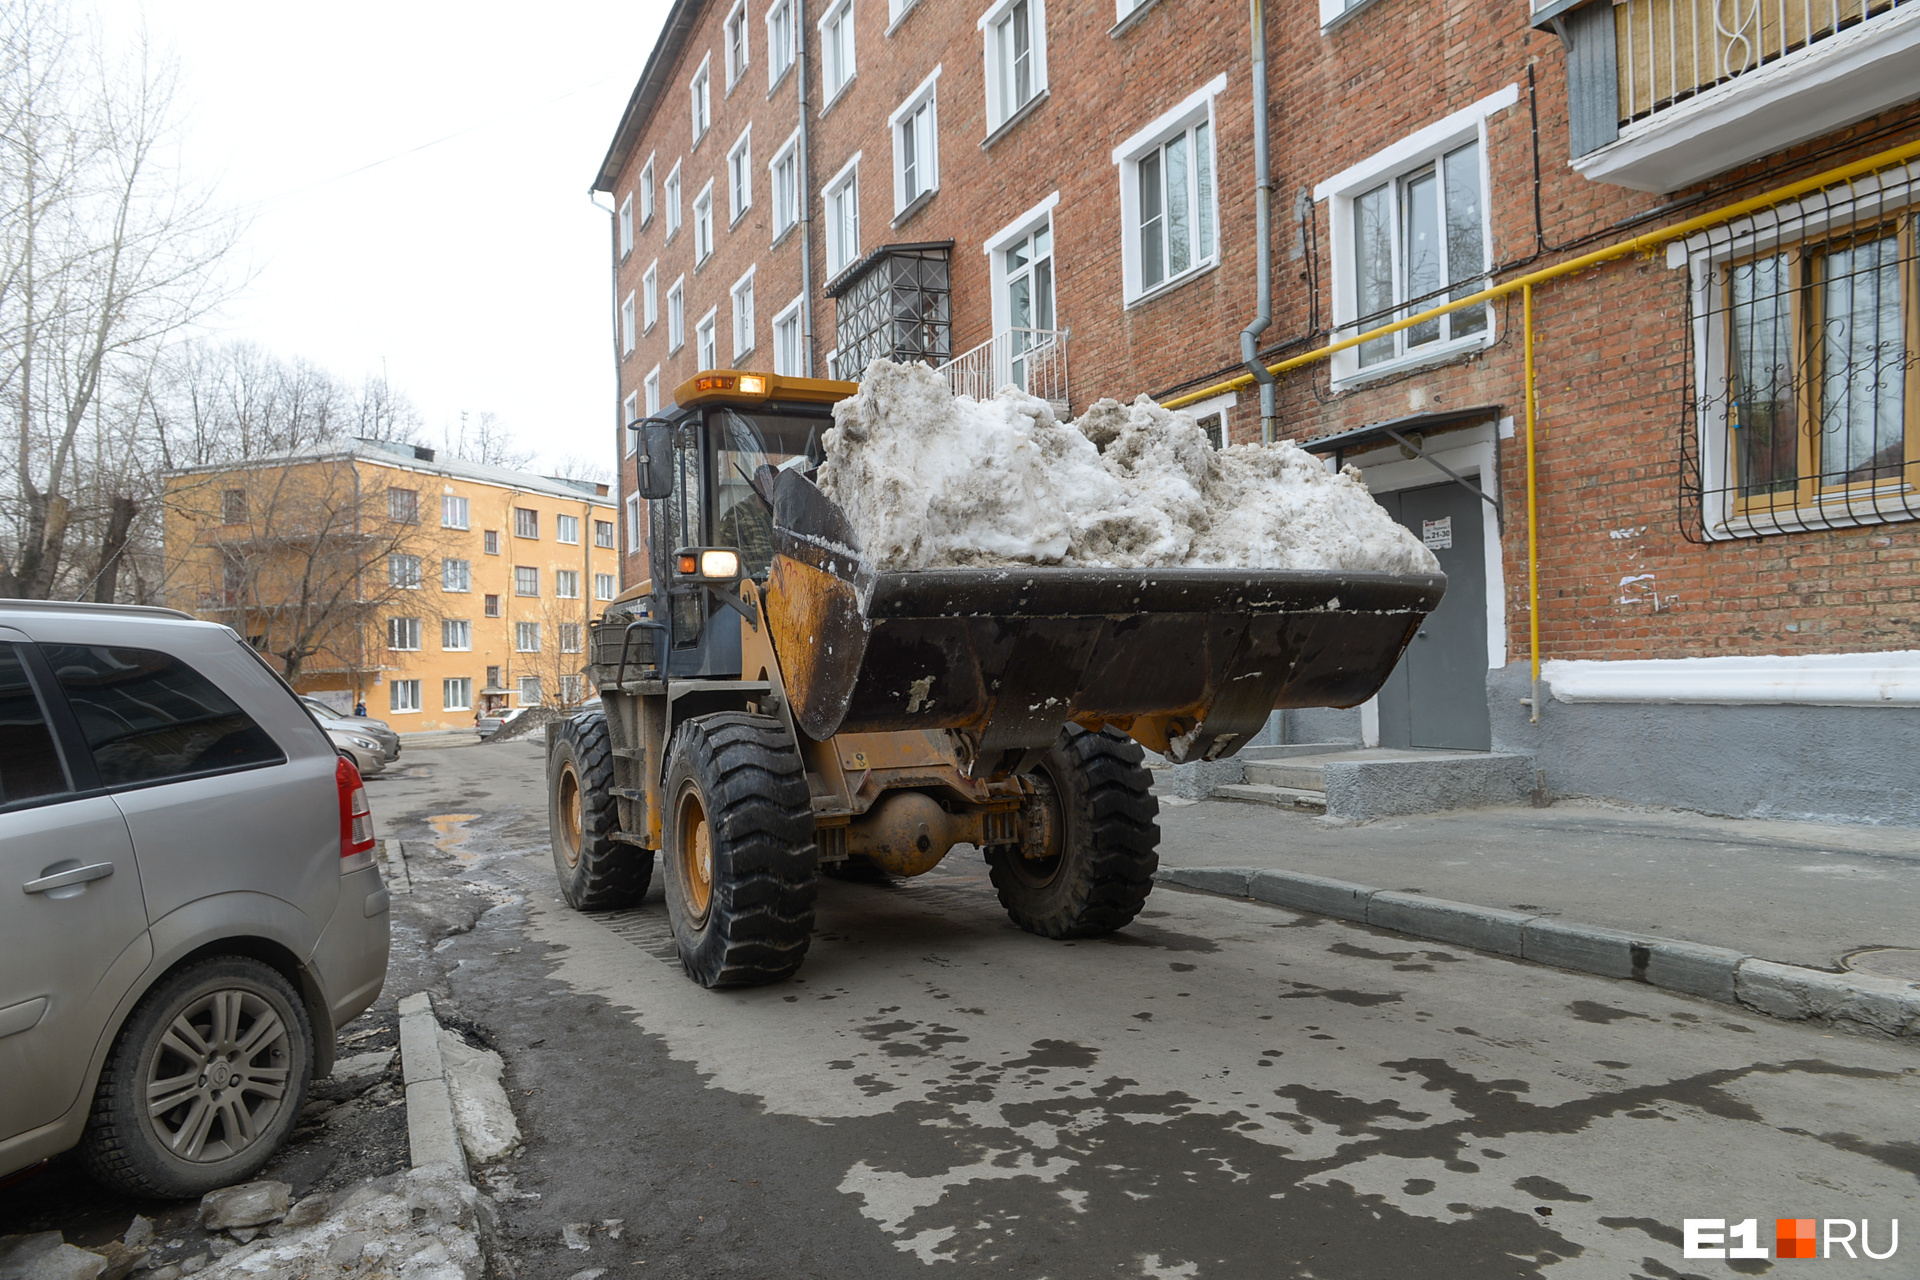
pixel 1279 797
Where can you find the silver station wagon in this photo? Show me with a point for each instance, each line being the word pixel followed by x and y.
pixel 189 905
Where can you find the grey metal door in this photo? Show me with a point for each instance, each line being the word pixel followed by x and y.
pixel 1437 696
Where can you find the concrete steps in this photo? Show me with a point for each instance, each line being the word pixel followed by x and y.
pixel 1308 800
pixel 1362 782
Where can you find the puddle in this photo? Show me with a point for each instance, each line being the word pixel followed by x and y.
pixel 451 834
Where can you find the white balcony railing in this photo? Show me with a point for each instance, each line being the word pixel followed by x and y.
pixel 1668 51
pixel 1034 360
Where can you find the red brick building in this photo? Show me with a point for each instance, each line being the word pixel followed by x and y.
pixel 1062 195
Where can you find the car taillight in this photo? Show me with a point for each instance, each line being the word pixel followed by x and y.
pixel 356 816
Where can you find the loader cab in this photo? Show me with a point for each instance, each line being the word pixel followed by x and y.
pixel 722 427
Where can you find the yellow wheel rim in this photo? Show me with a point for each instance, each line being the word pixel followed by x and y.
pixel 570 813
pixel 696 855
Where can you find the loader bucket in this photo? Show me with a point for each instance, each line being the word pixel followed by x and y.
pixel 1189 661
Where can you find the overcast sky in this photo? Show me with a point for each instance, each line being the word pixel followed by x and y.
pixel 417 180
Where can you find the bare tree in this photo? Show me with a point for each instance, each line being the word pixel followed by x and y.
pixel 560 663
pixel 487 441
pixel 589 470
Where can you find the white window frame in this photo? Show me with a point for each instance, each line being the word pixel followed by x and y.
pixel 677 315
pixel 605 586
pixel 789 315
pixel 650 297
pixel 564 578
pixel 646 191
pixel 626 226
pixel 995 248
pixel 1419 148
pixel 673 199
pixel 462 577
pixel 740 176
pixel 927 167
pixel 403 696
pixel 786 211
pixel 1334 12
pixel 703 224
pixel 451 503
pixel 560 524
pixel 742 295
pixel 598 525
pixel 989 25
pixel 462 689
pixel 706 339
pixel 737 60
pixel 531 694
pixel 840 12
pixel 518 580
pixel 629 414
pixel 404 571
pixel 570 638
pixel 633 523
pixel 651 388
pixel 456 635
pixel 780 52
pixel 700 89
pixel 839 258
pixel 521 631
pixel 1196 108
pixel 627 337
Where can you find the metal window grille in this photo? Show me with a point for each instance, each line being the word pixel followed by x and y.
pixel 898 307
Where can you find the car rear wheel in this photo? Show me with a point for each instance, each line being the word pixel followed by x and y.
pixel 203 1083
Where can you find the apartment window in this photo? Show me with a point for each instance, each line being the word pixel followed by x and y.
pixel 703 224
pixel 526 581
pixel 453 512
pixel 742 293
pixel 1167 198
pixel 526 637
pixel 456 575
pixel 570 689
pixel 570 637
pixel 490 607
pixel 566 584
pixel 603 583
pixel 736 43
pixel 403 571
pixel 673 200
pixel 493 677
pixel 526 522
pixel 652 389
pixel 916 150
pixel 490 542
pixel 603 534
pixel 403 695
pixel 233 506
pixel 626 325
pixel 740 176
pixel 836 47
pixel 403 506
pixel 702 92
pixel 1023 296
pixel 779 40
pixel 786 342
pixel 456 635
pixel 650 296
pixel 629 416
pixel 567 529
pixel 456 693
pixel 530 690
pixel 626 226
pixel 677 315
pixel 646 192
pixel 706 347
pixel 784 171
pixel 633 523
pixel 403 634
pixel 1016 38
pixel 842 197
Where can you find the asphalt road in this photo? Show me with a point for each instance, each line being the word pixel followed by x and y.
pixel 1222 1090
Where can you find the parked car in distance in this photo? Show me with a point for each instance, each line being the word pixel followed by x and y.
pixel 198 908
pixel 365 752
pixel 489 725
pixel 379 730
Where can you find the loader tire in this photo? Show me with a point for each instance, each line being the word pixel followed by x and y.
pixel 596 872
pixel 1106 841
pixel 739 852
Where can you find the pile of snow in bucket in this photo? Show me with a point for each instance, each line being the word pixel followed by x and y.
pixel 934 480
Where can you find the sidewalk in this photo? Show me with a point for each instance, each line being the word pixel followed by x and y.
pixel 1794 893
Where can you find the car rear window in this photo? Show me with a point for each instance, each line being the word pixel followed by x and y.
pixel 148 717
pixel 29 766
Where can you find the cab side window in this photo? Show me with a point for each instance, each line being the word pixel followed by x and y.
pixel 29 766
pixel 148 717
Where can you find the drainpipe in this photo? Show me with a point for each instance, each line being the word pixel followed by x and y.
pixel 1262 216
pixel 804 192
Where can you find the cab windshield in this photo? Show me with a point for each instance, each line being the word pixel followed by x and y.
pixel 742 443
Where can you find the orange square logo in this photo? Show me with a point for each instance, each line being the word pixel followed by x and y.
pixel 1793 1238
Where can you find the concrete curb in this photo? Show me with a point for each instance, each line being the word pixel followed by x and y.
pixel 1716 973
pixel 432 1136
pixel 394 858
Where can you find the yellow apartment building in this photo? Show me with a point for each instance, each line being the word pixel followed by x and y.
pixel 431 590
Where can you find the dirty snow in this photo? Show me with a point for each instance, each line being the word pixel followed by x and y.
pixel 934 480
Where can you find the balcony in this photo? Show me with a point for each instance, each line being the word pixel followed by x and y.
pixel 1034 360
pixel 1664 93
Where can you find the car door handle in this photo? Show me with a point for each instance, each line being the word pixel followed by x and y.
pixel 72 875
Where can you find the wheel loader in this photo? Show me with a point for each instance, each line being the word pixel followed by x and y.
pixel 776 708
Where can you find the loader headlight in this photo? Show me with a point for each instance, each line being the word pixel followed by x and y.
pixel 695 563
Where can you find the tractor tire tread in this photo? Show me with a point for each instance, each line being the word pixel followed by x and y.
pixel 611 874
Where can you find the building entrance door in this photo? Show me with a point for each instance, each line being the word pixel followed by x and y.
pixel 1437 696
